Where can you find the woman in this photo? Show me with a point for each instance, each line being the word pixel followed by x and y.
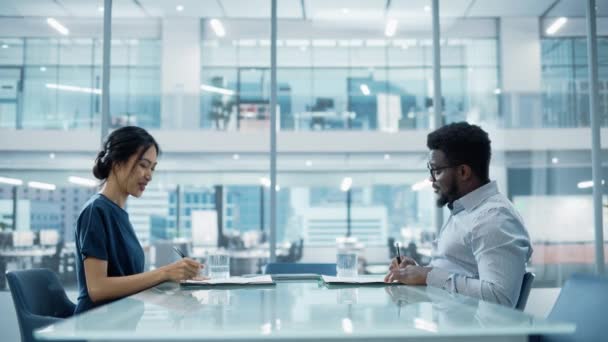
pixel 110 262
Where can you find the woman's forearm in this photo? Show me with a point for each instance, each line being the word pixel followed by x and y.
pixel 102 288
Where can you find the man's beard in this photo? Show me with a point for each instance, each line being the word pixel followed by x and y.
pixel 449 197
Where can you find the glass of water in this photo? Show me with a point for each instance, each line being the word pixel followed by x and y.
pixel 219 266
pixel 346 265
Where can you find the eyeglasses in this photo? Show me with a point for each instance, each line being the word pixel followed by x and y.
pixel 433 170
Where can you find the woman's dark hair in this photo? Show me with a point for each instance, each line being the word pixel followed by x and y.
pixel 119 146
pixel 463 143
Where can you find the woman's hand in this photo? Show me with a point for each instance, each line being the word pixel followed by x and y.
pixel 182 269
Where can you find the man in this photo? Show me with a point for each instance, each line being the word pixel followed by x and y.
pixel 483 247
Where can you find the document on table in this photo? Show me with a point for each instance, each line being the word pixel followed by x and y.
pixel 261 280
pixel 373 279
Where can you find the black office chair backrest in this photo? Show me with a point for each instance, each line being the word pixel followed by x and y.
pixel 39 298
pixel 584 301
pixel 296 268
pixel 524 293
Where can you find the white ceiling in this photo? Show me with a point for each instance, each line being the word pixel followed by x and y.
pixel 340 10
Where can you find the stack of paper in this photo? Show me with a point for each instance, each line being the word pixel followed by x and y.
pixel 374 279
pixel 261 280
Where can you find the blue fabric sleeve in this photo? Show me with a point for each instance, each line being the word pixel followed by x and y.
pixel 92 234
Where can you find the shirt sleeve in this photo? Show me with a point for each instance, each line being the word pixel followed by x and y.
pixel 501 248
pixel 91 234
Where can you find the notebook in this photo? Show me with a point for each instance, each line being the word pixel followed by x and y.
pixel 371 279
pixel 260 280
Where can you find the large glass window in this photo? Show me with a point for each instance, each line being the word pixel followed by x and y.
pixel 354 105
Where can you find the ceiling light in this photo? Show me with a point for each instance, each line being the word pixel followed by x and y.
pixel 218 90
pixel 179 8
pixel 347 182
pixel 236 156
pixel 99 8
pixel 497 91
pixel 557 24
pixel 387 156
pixel 43 69
pixel 364 89
pixel 421 185
pixel 427 8
pixel 391 27
pixel 82 181
pixel 42 186
pixel 217 27
pixel 58 26
pixel 73 88
pixel 11 181
pixel 554 160
pixel 52 155
pixel 308 163
pixel 5 46
pixel 345 10
pixel 265 182
pixel 586 184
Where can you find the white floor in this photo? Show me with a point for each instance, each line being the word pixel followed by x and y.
pixel 539 304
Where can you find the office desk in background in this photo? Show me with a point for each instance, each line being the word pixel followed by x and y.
pixel 300 310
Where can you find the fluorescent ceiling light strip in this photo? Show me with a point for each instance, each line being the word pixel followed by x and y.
pixel 557 24
pixel 586 184
pixel 391 27
pixel 421 185
pixel 218 90
pixel 11 181
pixel 43 186
pixel 347 182
pixel 364 89
pixel 73 88
pixel 265 182
pixel 82 181
pixel 57 26
pixel 217 27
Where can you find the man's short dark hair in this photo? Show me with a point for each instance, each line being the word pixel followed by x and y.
pixel 463 143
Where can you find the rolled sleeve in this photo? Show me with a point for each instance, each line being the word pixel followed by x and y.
pixel 91 234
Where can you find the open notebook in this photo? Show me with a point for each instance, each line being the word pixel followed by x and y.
pixel 371 279
pixel 261 280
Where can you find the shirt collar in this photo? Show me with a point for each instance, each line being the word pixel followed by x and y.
pixel 475 197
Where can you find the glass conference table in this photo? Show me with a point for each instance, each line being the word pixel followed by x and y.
pixel 300 310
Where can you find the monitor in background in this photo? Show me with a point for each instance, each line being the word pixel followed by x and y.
pixel 323 104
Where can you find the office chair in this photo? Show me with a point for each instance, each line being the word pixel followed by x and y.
pixel 526 286
pixel 584 301
pixel 39 298
pixel 295 268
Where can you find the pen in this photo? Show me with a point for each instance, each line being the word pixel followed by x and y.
pixel 398 254
pixel 178 252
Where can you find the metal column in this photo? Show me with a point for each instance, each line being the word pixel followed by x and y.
pixel 437 105
pixel 596 147
pixel 105 87
pixel 273 130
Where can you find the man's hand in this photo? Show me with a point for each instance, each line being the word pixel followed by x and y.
pixel 410 275
pixel 405 261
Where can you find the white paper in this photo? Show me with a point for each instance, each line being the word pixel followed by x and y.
pixel 264 279
pixel 374 279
